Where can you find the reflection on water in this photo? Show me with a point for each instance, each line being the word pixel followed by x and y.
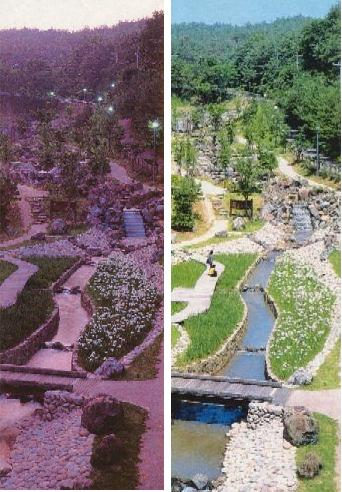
pixel 198 437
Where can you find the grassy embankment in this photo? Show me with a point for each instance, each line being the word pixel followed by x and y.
pixel 209 330
pixel 6 269
pixel 34 304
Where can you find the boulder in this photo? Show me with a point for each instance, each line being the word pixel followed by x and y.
pixel 111 367
pixel 310 467
pixel 300 427
pixel 58 226
pixel 106 451
pixel 102 415
pixel 301 376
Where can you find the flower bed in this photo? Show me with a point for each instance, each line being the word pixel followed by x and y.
pixel 126 306
pixel 305 308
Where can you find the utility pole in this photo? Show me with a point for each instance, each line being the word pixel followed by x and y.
pixel 317 149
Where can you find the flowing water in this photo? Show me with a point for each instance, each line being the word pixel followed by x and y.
pixel 199 437
pixel 249 361
pixel 302 223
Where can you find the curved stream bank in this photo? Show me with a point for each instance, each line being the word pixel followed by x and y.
pixel 249 361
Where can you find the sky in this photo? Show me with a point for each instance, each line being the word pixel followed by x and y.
pixel 239 12
pixel 73 14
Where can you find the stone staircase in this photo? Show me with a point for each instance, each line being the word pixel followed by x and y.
pixel 133 223
pixel 39 210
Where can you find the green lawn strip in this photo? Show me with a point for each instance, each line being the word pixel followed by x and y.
pixel 6 269
pixel 214 240
pixel 174 336
pixel 176 307
pixel 335 260
pixel 124 474
pixel 328 375
pixel 209 330
pixel 34 304
pixel 144 365
pixel 186 274
pixel 305 308
pixel 326 450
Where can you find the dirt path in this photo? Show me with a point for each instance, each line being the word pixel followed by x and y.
pixel 285 168
pixel 14 284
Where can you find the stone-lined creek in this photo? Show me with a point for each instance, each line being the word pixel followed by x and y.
pixel 249 362
pixel 199 429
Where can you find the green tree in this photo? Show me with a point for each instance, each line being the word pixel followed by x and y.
pixel 8 192
pixel 6 151
pixel 249 174
pixel 184 192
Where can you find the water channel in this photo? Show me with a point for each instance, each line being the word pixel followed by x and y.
pixel 199 429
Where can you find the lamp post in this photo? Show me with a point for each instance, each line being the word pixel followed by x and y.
pixel 155 127
pixel 99 99
pixel 84 92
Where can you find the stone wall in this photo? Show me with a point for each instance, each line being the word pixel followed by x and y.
pixel 23 352
pixel 57 403
pixel 260 413
pixel 67 275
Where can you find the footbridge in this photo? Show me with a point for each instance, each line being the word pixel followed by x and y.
pixel 210 388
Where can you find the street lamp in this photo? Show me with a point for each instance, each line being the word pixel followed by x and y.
pixel 51 93
pixel 112 85
pixel 110 109
pixel 84 92
pixel 100 99
pixel 154 125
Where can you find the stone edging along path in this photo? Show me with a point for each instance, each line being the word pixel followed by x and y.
pixel 12 286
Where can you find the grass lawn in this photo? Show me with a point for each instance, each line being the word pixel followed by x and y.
pixel 177 306
pixel 6 269
pixel 124 474
pixel 305 308
pixel 328 375
pixel 209 330
pixel 326 450
pixel 318 179
pixel 34 304
pixel 186 274
pixel 174 336
pixel 335 260
pixel 251 226
pixel 214 240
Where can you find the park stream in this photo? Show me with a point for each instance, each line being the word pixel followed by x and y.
pixel 199 429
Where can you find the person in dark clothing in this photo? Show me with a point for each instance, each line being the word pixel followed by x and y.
pixel 210 259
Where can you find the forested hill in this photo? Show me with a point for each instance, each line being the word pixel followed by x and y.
pixel 192 41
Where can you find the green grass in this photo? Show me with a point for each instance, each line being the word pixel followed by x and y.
pixel 209 330
pixel 305 309
pixel 335 260
pixel 326 450
pixel 186 274
pixel 50 269
pixel 320 180
pixel 214 240
pixel 176 307
pixel 174 336
pixel 6 269
pixel 124 474
pixel 34 304
pixel 250 227
pixel 328 375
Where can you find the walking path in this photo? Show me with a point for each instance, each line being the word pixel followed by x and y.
pixel 119 173
pixel 287 170
pixel 14 284
pixel 198 298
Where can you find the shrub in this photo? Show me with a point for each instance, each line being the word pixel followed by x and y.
pixel 126 306
pixel 310 466
pixel 185 192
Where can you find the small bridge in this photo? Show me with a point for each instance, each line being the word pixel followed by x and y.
pixel 211 388
pixel 24 378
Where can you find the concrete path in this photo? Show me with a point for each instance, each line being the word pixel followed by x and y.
pixel 327 402
pixel 198 298
pixel 119 173
pixel 14 284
